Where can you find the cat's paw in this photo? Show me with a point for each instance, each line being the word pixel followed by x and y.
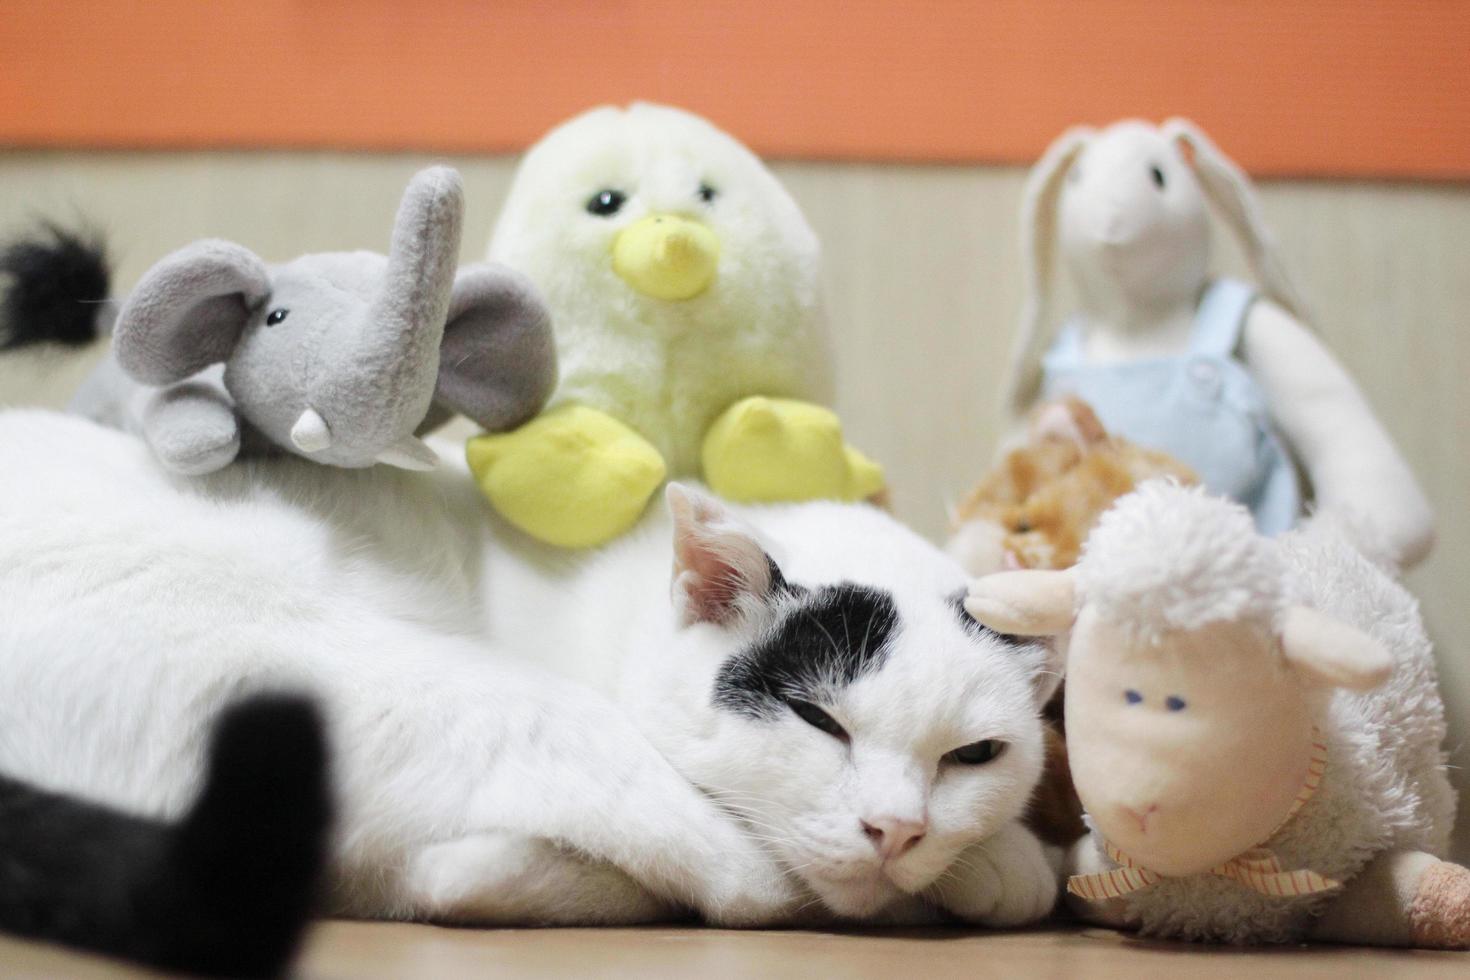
pixel 748 888
pixel 1005 880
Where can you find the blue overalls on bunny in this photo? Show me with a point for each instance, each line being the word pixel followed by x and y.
pixel 1202 407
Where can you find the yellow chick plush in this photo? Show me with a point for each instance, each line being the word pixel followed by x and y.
pixel 683 285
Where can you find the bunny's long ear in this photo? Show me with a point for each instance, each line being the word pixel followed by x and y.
pixel 1038 246
pixel 1230 190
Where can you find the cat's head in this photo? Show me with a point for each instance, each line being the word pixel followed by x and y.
pixel 827 685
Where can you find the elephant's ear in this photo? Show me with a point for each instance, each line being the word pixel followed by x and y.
pixel 187 312
pixel 497 364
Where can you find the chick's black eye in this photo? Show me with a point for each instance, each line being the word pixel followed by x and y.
pixel 1157 175
pixel 977 753
pixel 275 317
pixel 707 193
pixel 606 202
pixel 817 718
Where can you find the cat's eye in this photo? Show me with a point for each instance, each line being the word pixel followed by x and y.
pixel 1157 175
pixel 1132 696
pixel 275 317
pixel 1023 527
pixel 606 202
pixel 707 194
pixel 1174 703
pixel 977 753
pixel 817 718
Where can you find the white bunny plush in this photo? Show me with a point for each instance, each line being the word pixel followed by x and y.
pixel 1222 375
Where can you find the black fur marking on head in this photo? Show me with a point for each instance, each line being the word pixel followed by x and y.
pixel 978 629
pixel 226 891
pixel 54 284
pixel 825 637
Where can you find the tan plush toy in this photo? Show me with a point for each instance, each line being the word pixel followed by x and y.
pixel 1036 507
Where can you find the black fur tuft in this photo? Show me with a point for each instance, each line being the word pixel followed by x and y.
pixel 52 288
pixel 226 892
pixel 825 637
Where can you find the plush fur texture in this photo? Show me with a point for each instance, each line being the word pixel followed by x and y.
pixel 1201 660
pixel 53 288
pixel 335 356
pixel 666 367
pixel 520 736
pixel 1385 787
pixel 224 892
pixel 1163 562
pixel 1040 501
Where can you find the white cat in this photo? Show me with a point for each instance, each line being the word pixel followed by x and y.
pixel 811 726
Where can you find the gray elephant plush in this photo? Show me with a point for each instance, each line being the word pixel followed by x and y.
pixel 344 358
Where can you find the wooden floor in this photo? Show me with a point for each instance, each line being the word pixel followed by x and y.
pixel 343 950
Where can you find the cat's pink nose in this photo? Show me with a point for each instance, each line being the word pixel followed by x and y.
pixel 894 837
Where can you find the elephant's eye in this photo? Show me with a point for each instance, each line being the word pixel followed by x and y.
pixel 707 193
pixel 276 316
pixel 977 753
pixel 606 202
pixel 1158 176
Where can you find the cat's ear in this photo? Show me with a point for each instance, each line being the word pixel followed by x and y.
pixel 721 572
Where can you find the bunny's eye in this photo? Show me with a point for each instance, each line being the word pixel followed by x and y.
pixel 1132 696
pixel 276 316
pixel 707 193
pixel 606 203
pixel 1157 175
pixel 1174 703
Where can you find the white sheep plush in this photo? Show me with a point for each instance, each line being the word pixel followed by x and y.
pixel 1254 728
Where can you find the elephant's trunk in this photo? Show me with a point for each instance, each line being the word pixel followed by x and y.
pixel 383 377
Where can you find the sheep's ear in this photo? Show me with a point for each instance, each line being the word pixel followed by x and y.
pixel 1038 245
pixel 1329 653
pixel 1230 190
pixel 1026 603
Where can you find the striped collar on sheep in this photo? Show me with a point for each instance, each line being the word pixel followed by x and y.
pixel 1193 684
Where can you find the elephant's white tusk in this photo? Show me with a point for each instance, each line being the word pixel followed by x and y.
pixel 310 433
pixel 409 453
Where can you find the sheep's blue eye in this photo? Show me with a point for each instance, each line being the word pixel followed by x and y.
pixel 1132 696
pixel 1174 703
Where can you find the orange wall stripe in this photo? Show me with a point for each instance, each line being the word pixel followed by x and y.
pixel 1302 87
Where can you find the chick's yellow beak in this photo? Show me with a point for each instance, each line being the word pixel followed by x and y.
pixel 667 256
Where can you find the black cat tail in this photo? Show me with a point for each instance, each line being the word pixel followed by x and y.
pixel 227 891
pixel 251 852
pixel 54 286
